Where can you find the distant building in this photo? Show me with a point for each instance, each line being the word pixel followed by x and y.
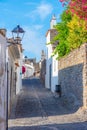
pixel 51 77
pixel 33 66
pixel 37 69
pixel 29 67
pixel 43 66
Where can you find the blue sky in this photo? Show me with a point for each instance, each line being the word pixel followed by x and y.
pixel 34 17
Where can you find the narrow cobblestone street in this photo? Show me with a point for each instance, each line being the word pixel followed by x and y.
pixel 39 109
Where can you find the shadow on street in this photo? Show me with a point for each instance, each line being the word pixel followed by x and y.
pixel 36 101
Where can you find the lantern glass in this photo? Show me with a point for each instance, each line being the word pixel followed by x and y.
pixel 18 33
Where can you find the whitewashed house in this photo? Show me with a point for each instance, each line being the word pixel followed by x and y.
pixel 29 68
pixel 51 77
pixel 3 80
pixel 14 59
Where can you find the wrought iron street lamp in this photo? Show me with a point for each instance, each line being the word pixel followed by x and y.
pixel 18 34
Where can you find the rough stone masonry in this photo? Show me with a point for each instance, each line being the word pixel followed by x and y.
pixel 73 77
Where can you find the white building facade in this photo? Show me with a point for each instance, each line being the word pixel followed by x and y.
pixel 14 60
pixel 19 72
pixel 3 80
pixel 51 77
pixel 29 70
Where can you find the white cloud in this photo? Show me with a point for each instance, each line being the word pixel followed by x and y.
pixel 9 34
pixel 33 42
pixel 38 27
pixel 42 11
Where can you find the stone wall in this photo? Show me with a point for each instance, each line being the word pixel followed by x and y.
pixel 73 76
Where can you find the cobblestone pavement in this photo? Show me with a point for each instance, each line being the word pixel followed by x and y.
pixel 39 109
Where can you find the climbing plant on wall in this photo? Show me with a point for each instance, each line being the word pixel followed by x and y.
pixel 63 31
pixel 77 32
pixel 72 32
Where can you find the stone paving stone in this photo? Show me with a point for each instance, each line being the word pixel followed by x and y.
pixel 39 109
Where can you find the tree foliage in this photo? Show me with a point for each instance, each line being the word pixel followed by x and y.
pixel 77 32
pixel 78 7
pixel 72 32
pixel 63 31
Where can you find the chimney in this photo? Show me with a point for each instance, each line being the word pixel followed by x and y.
pixel 53 22
pixel 3 32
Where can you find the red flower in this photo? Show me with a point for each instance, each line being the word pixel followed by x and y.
pixel 23 69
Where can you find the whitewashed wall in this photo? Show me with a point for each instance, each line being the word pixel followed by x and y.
pixel 11 77
pixel 3 82
pixel 19 75
pixel 54 80
pixel 18 78
pixel 29 70
pixel 48 60
pixel 51 65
